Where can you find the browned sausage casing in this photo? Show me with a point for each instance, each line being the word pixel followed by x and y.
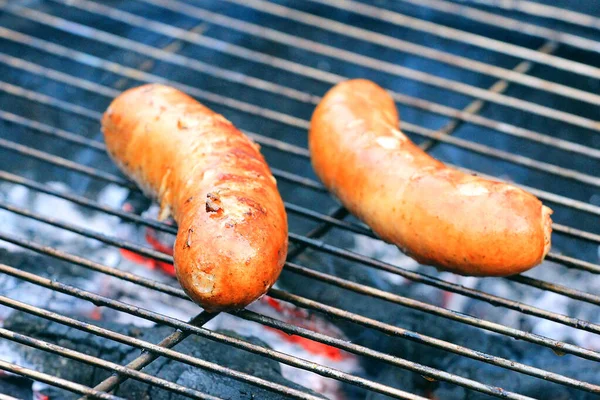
pixel 232 237
pixel 436 214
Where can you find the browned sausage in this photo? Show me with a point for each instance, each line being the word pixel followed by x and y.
pixel 435 214
pixel 232 237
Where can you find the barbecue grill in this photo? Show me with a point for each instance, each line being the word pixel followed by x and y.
pixel 508 89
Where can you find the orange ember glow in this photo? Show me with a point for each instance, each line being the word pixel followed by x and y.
pixel 311 346
pixel 287 312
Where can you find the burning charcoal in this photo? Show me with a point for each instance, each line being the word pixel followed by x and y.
pixel 46 267
pixel 15 386
pixel 182 374
pixel 430 325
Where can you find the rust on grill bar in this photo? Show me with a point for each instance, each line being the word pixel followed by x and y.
pixel 199 25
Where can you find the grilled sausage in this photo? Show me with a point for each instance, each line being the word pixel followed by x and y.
pixel 435 214
pixel 232 237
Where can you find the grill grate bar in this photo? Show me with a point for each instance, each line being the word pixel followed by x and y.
pixel 358 319
pixel 556 288
pixel 445 313
pixel 52 131
pixel 30 95
pixel 206 333
pixel 328 222
pixel 306 182
pixel 491 390
pixel 563 319
pixel 364 61
pixel 297 122
pixel 145 359
pixel 55 381
pixel 429 280
pixel 381 40
pixel 546 11
pixel 127 44
pixel 94 266
pixel 112 241
pixel 573 262
pixel 303 152
pixel 97 362
pixel 498 87
pixel 584 235
pixel 511 24
pixel 298 300
pixel 391 329
pixel 445 32
pixel 65 163
pixel 153 348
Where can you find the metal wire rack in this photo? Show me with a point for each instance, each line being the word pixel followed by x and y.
pixel 67 17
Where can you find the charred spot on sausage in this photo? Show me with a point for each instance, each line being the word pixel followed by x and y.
pixel 213 202
pixel 188 240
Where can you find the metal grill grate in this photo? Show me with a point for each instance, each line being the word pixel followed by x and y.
pixel 285 103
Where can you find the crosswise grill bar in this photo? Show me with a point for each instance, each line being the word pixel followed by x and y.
pixel 146 358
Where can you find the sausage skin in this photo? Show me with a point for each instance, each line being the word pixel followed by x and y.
pixel 436 214
pixel 232 240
